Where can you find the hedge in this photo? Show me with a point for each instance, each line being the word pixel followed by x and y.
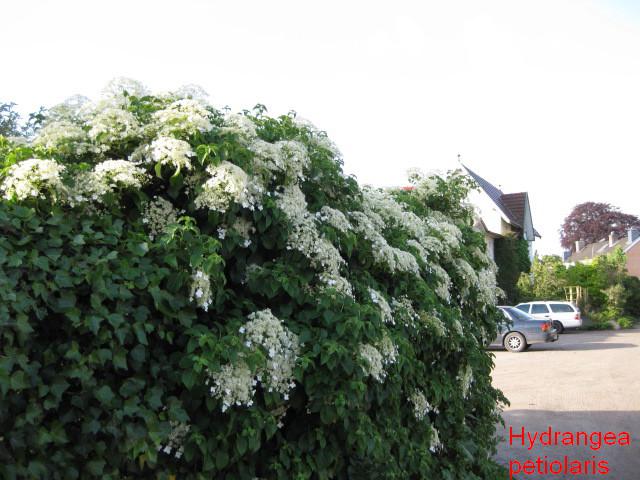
pixel 191 293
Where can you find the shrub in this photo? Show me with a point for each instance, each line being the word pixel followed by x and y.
pixel 625 322
pixel 226 303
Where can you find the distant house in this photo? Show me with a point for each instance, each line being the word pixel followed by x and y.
pixel 499 214
pixel 630 245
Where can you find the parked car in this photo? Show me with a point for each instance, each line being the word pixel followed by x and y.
pixel 562 314
pixel 519 330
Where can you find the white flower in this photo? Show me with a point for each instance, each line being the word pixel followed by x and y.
pixel 185 116
pixel 421 406
pixel 166 151
pixel 201 290
pixel 33 178
pixel 228 183
pixel 112 125
pixel 158 215
pixel 385 309
pixel 233 384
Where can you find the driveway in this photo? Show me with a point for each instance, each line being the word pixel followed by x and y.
pixel 584 382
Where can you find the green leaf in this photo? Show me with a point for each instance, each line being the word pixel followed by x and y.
pixel 104 394
pixel 131 386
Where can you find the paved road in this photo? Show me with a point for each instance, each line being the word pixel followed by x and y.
pixel 586 381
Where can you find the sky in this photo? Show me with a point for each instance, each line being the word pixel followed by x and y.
pixel 541 96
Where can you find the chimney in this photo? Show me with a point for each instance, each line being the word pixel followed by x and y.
pixel 579 245
pixel 612 239
pixel 634 234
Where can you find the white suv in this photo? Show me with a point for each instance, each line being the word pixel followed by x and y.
pixel 562 314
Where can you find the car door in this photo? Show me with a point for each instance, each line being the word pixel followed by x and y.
pixel 540 311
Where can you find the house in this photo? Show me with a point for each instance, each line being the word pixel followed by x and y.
pixel 499 214
pixel 630 245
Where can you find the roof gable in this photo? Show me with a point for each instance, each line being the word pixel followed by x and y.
pixel 512 205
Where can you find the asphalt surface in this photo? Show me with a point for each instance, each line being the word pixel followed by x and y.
pixel 584 382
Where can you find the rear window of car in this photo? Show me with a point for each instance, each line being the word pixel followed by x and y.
pixel 539 308
pixel 518 315
pixel 561 308
pixel 524 307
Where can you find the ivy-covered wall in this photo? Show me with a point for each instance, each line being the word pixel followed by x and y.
pixel 190 292
pixel 511 255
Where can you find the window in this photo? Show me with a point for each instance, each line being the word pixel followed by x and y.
pixel 518 315
pixel 524 307
pixel 539 308
pixel 561 308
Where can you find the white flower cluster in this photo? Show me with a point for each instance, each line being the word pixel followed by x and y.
pixel 175 442
pixel 244 228
pixel 334 218
pixel 306 239
pixel 433 321
pixel 227 183
pixel 240 125
pixel 112 125
pixel 384 254
pixel 443 290
pixel 66 136
pixel 289 157
pixel 377 357
pixel 234 384
pixel 404 312
pixel 466 379
pixel 385 309
pixel 421 406
pixel 166 151
pixel 435 443
pixel 185 116
pixel 119 173
pixel 488 291
pixel 374 365
pixel 468 274
pixel 281 346
pixel 338 283
pixel 33 178
pixel 157 215
pixel 201 290
pixel 105 177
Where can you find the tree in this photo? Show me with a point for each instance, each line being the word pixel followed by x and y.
pixel 547 280
pixel 592 221
pixel 9 120
pixel 11 124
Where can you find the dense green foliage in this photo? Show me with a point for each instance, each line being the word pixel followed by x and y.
pixel 511 255
pixel 610 291
pixel 124 334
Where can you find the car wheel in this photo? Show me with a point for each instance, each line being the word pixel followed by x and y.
pixel 558 326
pixel 515 342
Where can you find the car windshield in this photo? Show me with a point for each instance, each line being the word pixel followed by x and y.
pixel 518 314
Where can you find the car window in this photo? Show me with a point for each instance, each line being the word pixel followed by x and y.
pixel 561 308
pixel 539 308
pixel 518 315
pixel 524 307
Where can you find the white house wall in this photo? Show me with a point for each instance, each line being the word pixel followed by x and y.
pixel 488 211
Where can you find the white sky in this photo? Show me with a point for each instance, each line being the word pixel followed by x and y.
pixel 537 96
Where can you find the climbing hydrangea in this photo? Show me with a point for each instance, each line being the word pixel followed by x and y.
pixel 158 215
pixel 255 286
pixel 201 290
pixel 33 178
